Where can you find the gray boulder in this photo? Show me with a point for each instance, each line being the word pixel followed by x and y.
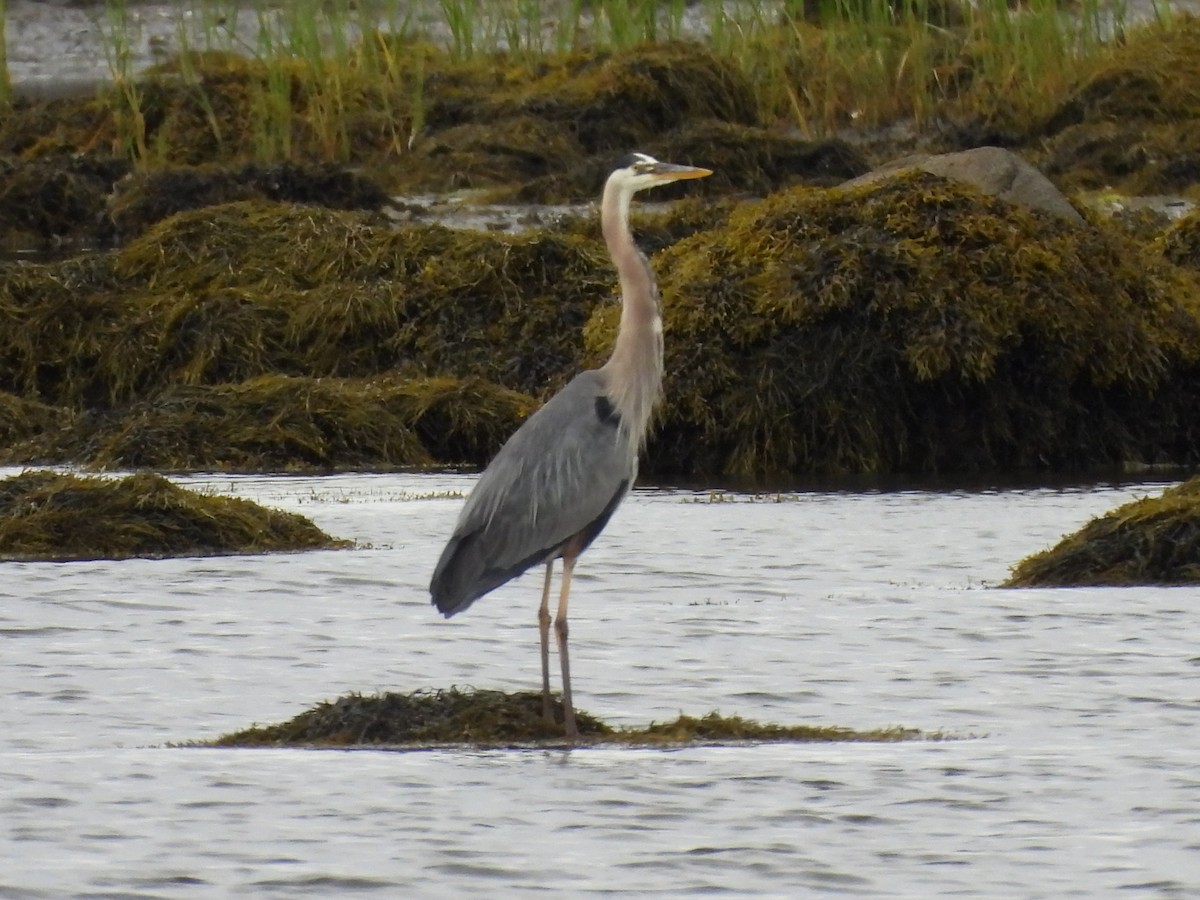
pixel 993 170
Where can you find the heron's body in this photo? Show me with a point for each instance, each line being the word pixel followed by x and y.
pixel 554 484
pixel 556 481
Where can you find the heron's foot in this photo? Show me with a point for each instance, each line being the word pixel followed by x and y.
pixel 548 708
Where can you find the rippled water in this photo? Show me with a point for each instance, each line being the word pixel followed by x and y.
pixel 1078 774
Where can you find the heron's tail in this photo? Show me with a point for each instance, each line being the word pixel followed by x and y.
pixel 465 572
pixel 456 572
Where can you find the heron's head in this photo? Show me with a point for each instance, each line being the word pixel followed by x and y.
pixel 637 171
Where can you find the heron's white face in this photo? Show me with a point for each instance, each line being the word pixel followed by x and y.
pixel 645 172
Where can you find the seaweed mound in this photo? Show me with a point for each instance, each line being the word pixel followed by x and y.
pixel 912 325
pixel 492 123
pixel 444 716
pixel 1131 125
pixel 1155 540
pixel 918 326
pixel 59 517
pixel 286 423
pixel 270 423
pixel 225 294
pixel 1180 241
pixel 255 336
pixel 144 198
pixel 22 419
pixel 756 160
pixel 91 199
pixel 430 718
pixel 55 197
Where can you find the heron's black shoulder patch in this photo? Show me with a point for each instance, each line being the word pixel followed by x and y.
pixel 606 412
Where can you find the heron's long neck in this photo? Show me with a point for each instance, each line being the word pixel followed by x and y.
pixel 635 369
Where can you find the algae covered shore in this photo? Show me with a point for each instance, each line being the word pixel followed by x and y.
pixel 244 314
pixel 244 263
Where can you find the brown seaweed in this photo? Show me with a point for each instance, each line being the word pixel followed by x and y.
pixel 917 326
pixel 59 517
pixel 1154 540
pixel 431 718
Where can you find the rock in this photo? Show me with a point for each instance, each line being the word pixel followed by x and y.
pixel 58 516
pixel 993 170
pixel 923 326
pixel 1154 540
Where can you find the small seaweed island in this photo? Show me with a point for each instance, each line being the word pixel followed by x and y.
pixel 481 718
pixel 62 517
pixel 1153 540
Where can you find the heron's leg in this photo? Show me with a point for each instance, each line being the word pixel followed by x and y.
pixel 544 630
pixel 560 632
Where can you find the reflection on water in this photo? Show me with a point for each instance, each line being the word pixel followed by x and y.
pixel 1076 774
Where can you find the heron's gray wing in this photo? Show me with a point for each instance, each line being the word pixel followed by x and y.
pixel 560 475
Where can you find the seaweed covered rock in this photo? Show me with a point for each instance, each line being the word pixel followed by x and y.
pixel 229 293
pixel 61 127
pixel 657 227
pixel 744 159
pixel 22 419
pixel 494 123
pixel 918 326
pixel 54 198
pixel 1147 220
pixel 95 200
pixel 430 718
pixel 55 516
pixel 1155 540
pixel 257 336
pixel 992 170
pixel 1132 124
pixel 423 717
pixel 758 161
pixel 279 423
pixel 141 199
pixel 269 423
pixel 461 420
pixel 1180 241
pixel 909 326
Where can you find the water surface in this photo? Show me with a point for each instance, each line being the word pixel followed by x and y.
pixel 1076 773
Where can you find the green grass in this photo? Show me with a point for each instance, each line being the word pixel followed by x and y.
pixel 855 63
pixel 5 83
pixel 121 32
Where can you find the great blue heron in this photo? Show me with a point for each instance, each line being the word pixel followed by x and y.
pixel 554 484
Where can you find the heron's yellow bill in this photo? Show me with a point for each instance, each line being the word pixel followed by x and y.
pixel 672 172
